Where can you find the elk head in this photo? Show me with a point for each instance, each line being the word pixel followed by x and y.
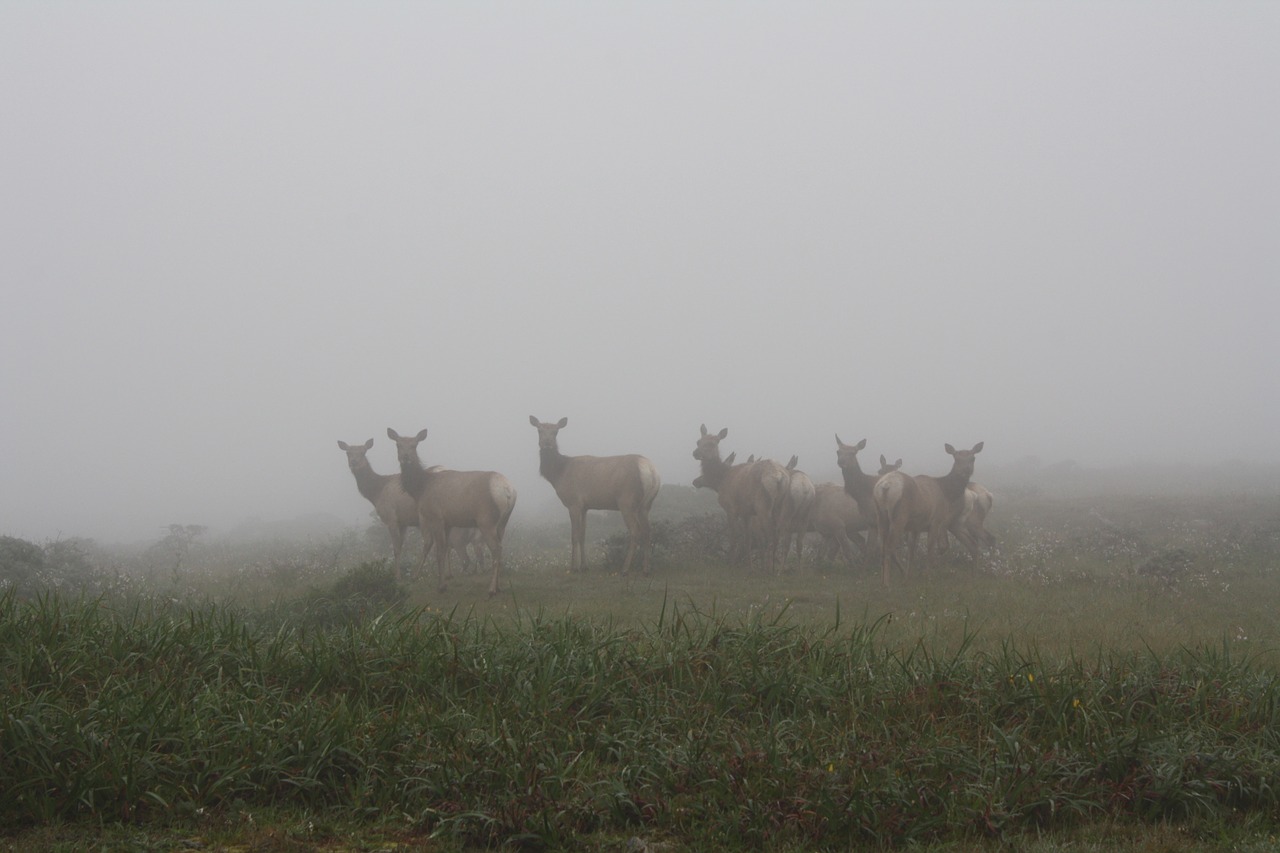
pixel 847 454
pixel 964 459
pixel 406 446
pixel 356 454
pixel 547 432
pixel 708 449
pixel 886 468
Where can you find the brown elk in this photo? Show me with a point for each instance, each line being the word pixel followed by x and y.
pixel 970 528
pixel 750 494
pixel 859 485
pixel 628 484
pixel 796 512
pixel 396 509
pixel 908 506
pixel 700 482
pixel 450 499
pixel 977 504
pixel 836 517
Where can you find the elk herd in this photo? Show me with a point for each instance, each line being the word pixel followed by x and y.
pixel 768 506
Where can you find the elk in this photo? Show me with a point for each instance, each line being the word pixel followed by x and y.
pixel 835 517
pixel 627 484
pixel 856 483
pixel 796 511
pixel 968 528
pixel 752 493
pixel 450 499
pixel 973 520
pixel 700 482
pixel 908 506
pixel 395 508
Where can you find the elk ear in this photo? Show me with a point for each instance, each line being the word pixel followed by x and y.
pixel 977 448
pixel 723 433
pixel 368 444
pixel 562 423
pixel 839 443
pixel 704 430
pixel 883 461
pixel 342 445
pixel 533 420
pixel 860 444
pixel 392 434
pixel 898 464
pixel 422 434
pixel 950 449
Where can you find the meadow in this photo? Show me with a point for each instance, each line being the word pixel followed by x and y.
pixel 1106 680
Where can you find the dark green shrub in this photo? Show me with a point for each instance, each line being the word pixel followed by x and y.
pixel 21 564
pixel 69 563
pixel 698 538
pixel 367 591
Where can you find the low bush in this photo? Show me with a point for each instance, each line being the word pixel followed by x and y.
pixel 365 592
pixel 68 564
pixel 696 539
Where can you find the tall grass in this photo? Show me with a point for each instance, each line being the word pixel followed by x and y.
pixel 1112 666
pixel 714 729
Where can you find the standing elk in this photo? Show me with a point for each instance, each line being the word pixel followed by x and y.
pixel 973 519
pixel 858 484
pixel 700 482
pixel 451 499
pixel 752 494
pixel 970 527
pixel 797 510
pixel 836 517
pixel 908 506
pixel 395 507
pixel 627 484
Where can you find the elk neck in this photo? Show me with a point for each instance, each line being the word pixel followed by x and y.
pixel 857 483
pixel 369 482
pixel 551 463
pixel 713 471
pixel 413 477
pixel 956 480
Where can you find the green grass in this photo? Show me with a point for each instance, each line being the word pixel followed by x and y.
pixel 1105 683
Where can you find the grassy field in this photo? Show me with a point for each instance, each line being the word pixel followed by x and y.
pixel 1108 680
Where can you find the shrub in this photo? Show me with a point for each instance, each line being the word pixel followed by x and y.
pixel 698 538
pixel 28 568
pixel 21 564
pixel 365 592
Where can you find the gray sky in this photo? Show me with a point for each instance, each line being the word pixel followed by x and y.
pixel 233 233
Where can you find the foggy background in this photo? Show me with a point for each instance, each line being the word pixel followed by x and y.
pixel 235 233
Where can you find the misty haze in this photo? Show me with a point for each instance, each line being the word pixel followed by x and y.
pixel 233 237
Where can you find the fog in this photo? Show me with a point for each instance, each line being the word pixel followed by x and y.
pixel 234 233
